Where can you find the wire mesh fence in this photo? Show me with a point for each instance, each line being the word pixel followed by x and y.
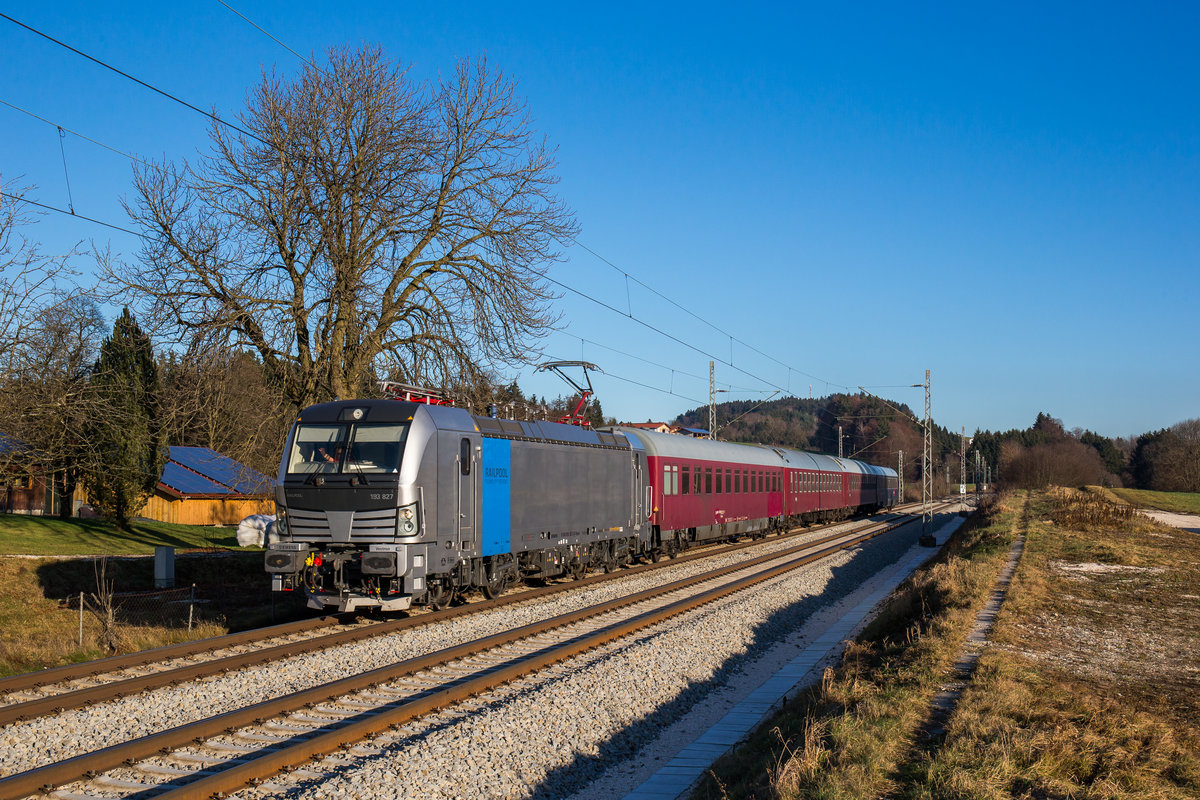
pixel 161 608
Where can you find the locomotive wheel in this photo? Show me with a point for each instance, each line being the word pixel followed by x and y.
pixel 438 596
pixel 672 548
pixel 495 586
pixel 655 555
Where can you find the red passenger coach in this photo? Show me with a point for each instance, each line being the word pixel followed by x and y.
pixel 703 490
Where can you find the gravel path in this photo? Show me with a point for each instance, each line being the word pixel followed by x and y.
pixel 26 745
pixel 1188 522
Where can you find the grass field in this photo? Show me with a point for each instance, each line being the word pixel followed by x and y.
pixel 1179 502
pixel 50 536
pixel 1089 688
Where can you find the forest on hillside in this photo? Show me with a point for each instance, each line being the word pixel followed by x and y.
pixel 872 429
pixel 878 430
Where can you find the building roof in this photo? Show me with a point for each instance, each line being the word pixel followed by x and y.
pixel 694 431
pixel 11 446
pixel 201 471
pixel 647 426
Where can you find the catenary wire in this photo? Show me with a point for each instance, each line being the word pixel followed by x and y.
pixel 64 212
pixel 86 138
pixel 245 132
pixel 644 360
pixel 628 276
pixel 552 280
pixel 140 82
pixel 267 33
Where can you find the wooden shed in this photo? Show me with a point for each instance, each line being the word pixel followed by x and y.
pixel 199 486
pixel 24 487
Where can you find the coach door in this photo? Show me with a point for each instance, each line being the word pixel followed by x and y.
pixel 468 496
pixel 639 497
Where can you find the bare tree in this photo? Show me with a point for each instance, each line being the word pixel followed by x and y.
pixel 222 399
pixel 45 399
pixel 27 275
pixel 1175 458
pixel 368 226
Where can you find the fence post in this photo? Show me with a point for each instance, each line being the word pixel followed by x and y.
pixel 191 606
pixel 81 620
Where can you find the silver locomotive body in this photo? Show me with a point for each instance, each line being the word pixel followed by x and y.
pixel 386 503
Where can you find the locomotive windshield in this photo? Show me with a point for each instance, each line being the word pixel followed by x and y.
pixel 355 448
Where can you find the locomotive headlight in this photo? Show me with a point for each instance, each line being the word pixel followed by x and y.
pixel 281 526
pixel 406 522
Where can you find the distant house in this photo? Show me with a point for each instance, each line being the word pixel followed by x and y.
pixel 199 486
pixel 699 433
pixel 657 427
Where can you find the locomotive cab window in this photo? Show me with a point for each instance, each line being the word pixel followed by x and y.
pixel 349 448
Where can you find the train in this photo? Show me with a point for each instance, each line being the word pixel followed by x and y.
pixel 385 504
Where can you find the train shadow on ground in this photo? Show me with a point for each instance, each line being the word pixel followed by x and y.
pixel 574 776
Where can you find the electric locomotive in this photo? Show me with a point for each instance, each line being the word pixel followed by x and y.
pixel 390 503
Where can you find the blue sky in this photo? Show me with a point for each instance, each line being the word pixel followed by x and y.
pixel 1005 195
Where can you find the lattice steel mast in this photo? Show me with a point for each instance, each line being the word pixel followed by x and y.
pixel 712 400
pixel 926 462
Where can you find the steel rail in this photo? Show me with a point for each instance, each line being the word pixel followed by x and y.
pixel 45 778
pixel 77 698
pixel 305 751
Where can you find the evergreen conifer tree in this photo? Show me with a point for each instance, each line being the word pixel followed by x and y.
pixel 125 432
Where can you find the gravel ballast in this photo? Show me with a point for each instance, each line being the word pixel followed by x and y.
pixel 590 726
pixel 548 736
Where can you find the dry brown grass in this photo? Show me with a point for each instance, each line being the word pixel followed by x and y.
pixel 37 632
pixel 1092 689
pixel 850 736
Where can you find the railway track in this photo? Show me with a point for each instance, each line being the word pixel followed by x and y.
pixel 49 691
pixel 252 743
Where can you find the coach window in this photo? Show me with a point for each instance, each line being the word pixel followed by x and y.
pixel 697 487
pixel 708 487
pixel 728 480
pixel 719 484
pixel 685 483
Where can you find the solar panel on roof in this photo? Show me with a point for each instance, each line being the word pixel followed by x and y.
pixel 222 469
pixel 10 446
pixel 187 482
